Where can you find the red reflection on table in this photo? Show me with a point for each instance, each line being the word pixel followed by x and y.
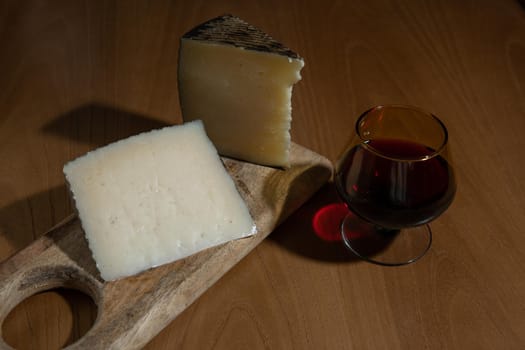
pixel 327 221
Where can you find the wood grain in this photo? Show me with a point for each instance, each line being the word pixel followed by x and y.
pixel 75 75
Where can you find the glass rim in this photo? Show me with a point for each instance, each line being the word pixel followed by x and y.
pixel 366 145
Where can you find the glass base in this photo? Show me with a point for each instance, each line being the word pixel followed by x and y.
pixel 383 246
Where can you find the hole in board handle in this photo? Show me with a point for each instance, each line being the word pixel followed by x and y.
pixel 50 319
pixel 65 302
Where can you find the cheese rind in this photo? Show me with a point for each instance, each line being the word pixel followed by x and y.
pixel 239 81
pixel 155 198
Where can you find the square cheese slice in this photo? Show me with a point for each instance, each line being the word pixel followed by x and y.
pixel 239 81
pixel 155 198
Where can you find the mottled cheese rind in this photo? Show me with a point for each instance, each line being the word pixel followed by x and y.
pixel 231 30
pixel 239 81
pixel 155 198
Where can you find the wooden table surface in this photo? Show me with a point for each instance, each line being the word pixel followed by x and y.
pixel 75 75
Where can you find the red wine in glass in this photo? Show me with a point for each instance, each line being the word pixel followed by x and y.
pixel 394 177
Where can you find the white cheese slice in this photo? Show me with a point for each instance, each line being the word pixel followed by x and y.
pixel 155 198
pixel 239 80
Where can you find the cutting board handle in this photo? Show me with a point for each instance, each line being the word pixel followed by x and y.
pixel 58 259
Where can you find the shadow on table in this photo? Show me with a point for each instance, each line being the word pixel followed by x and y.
pixel 98 125
pixel 25 220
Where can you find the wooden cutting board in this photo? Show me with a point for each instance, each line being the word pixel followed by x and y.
pixel 133 310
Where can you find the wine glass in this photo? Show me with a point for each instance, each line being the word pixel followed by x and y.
pixel 395 177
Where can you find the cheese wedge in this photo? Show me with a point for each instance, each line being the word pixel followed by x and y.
pixel 155 198
pixel 239 80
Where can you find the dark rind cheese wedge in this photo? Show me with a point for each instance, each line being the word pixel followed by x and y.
pixel 239 80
